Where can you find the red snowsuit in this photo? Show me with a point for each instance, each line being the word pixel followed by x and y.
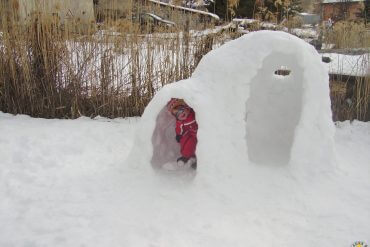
pixel 187 129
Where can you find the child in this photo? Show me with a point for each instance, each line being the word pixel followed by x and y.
pixel 186 132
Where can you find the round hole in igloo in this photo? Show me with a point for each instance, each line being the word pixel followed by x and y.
pixel 282 71
pixel 326 59
pixel 175 135
pixel 274 110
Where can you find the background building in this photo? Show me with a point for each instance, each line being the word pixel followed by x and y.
pixel 342 9
pixel 81 10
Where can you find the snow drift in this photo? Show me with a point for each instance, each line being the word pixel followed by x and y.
pixel 245 110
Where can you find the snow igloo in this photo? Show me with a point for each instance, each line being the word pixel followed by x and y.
pixel 261 99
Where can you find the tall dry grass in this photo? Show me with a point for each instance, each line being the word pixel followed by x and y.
pixel 348 34
pixel 65 69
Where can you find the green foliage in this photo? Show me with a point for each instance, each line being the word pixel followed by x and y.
pixel 277 10
pixel 244 9
pixel 219 7
pixel 272 10
pixel 296 7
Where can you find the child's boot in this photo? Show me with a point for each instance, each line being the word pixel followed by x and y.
pixel 193 162
pixel 182 162
pixel 179 165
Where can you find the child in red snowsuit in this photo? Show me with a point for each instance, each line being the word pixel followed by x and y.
pixel 186 131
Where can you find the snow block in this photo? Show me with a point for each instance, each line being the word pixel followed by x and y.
pixel 261 99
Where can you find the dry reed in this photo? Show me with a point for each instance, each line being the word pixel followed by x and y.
pixel 348 34
pixel 56 69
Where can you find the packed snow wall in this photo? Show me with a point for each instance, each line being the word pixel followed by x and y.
pixel 246 111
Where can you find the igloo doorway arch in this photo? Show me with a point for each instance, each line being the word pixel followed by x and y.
pixel 245 112
pixel 165 148
pixel 175 135
pixel 274 109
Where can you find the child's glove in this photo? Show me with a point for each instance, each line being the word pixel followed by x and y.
pixel 178 138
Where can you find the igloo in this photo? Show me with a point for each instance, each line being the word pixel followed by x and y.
pixel 246 112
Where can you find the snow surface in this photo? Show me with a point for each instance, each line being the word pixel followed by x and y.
pixel 354 65
pixel 64 183
pixel 268 171
pixel 305 33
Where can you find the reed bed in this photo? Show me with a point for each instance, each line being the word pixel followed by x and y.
pixel 55 69
pixel 348 34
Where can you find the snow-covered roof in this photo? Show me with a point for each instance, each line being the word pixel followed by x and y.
pixel 161 19
pixel 341 1
pixel 244 21
pixel 187 9
pixel 197 3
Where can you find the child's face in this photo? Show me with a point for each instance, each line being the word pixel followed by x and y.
pixel 171 105
pixel 183 115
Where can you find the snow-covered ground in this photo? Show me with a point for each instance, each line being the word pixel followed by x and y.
pixel 66 183
pixel 273 168
pixel 354 65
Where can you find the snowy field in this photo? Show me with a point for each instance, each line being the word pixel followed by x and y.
pixel 273 170
pixel 66 183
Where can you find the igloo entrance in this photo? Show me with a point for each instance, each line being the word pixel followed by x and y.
pixel 175 135
pixel 165 147
pixel 274 109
